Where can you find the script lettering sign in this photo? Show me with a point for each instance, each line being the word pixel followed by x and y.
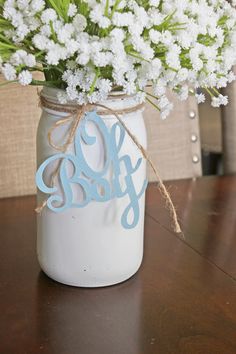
pixel 94 184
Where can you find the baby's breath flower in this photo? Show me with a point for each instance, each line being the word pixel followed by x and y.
pixel 48 15
pixel 200 97
pixel 9 72
pixel 72 10
pixel 25 78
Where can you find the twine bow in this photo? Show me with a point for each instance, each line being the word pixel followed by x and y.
pixel 76 113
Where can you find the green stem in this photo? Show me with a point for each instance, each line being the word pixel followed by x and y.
pixel 209 91
pixel 5 39
pixel 45 83
pixel 149 94
pixel 153 104
pixel 216 91
pixel 52 68
pixel 39 53
pixel 54 36
pixel 8 82
pixel 170 68
pixel 94 82
pixel 106 13
pixel 115 8
pixel 8 46
pixel 35 68
pixel 135 55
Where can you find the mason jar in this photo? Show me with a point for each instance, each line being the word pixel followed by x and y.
pixel 99 243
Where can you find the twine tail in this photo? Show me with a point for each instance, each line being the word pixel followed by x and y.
pixel 40 208
pixel 167 197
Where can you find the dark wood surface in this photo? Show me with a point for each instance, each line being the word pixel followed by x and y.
pixel 183 299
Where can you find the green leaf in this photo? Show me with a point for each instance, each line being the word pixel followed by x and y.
pixel 56 7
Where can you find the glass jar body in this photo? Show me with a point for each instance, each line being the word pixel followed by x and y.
pixel 89 246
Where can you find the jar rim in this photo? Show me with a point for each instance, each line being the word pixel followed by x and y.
pixel 51 94
pixel 118 100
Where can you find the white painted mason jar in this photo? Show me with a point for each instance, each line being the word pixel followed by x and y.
pixel 88 246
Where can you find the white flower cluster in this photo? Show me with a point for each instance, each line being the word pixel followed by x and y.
pixel 98 46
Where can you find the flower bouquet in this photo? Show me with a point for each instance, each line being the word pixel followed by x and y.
pixel 97 58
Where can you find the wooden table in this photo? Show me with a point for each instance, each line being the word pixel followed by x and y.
pixel 183 299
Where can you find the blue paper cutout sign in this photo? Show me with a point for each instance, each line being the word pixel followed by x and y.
pixel 90 181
